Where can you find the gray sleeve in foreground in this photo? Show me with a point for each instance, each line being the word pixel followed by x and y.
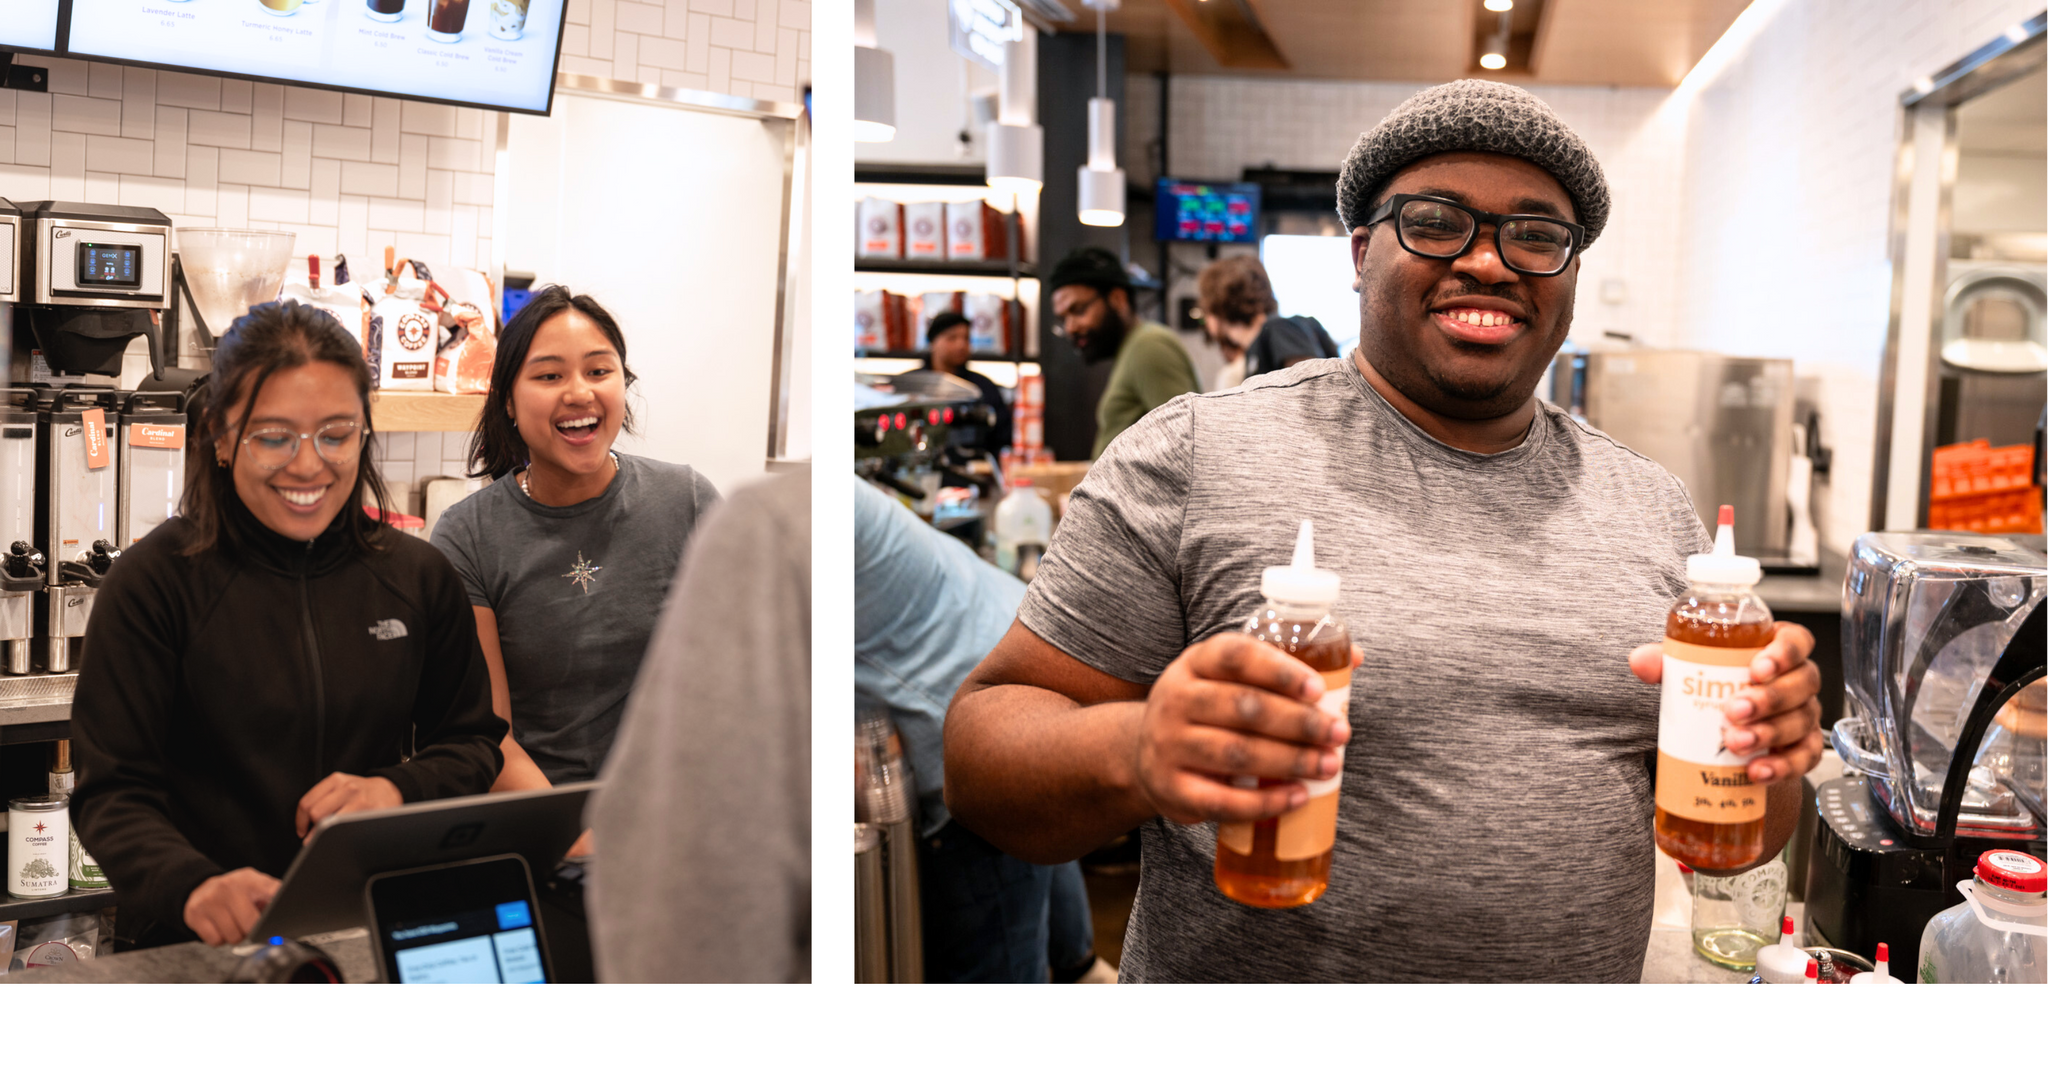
pixel 1108 590
pixel 704 814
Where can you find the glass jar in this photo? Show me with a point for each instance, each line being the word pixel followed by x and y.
pixel 1735 916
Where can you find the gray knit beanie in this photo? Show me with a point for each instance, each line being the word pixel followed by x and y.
pixel 1473 114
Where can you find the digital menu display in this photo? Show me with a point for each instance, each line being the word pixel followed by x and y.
pixel 28 24
pixel 490 53
pixel 101 265
pixel 1206 212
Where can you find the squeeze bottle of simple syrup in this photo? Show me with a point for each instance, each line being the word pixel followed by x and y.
pixel 1709 815
pixel 1285 861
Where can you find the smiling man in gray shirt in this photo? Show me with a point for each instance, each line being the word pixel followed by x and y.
pixel 1502 567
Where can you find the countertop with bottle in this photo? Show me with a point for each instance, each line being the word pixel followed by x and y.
pixel 196 963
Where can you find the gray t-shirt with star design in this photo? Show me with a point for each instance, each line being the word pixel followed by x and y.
pixel 576 591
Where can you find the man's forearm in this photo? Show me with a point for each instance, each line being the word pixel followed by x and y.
pixel 1039 777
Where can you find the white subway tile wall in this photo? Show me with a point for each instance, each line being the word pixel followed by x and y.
pixel 1787 211
pixel 352 173
pixel 747 48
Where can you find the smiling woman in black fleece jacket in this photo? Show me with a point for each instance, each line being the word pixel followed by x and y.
pixel 272 656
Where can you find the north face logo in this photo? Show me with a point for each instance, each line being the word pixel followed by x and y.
pixel 389 629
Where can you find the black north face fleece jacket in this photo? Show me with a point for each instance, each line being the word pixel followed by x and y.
pixel 216 689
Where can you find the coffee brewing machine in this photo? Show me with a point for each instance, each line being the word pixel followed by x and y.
pixel 21 561
pixel 1943 652
pixel 89 280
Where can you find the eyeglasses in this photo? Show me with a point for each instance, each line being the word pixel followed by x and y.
pixel 1059 329
pixel 1443 230
pixel 338 442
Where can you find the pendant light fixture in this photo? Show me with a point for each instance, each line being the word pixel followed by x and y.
pixel 1016 143
pixel 1496 55
pixel 874 80
pixel 1101 181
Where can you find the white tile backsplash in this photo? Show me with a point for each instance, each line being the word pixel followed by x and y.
pixel 755 48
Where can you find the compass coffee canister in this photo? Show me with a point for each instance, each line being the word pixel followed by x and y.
pixel 38 846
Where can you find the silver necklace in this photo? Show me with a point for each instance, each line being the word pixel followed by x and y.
pixel 528 489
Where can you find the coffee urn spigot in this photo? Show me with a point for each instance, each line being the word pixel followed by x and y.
pixel 22 572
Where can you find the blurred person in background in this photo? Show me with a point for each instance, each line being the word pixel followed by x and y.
pixel 1239 315
pixel 1091 308
pixel 705 809
pixel 951 341
pixel 926 610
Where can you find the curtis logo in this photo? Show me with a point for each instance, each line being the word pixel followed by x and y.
pixel 389 629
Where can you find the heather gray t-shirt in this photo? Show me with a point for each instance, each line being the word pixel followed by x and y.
pixel 1496 814
pixel 576 591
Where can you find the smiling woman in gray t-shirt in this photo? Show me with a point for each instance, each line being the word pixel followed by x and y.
pixel 568 555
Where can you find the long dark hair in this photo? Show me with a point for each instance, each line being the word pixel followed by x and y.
pixel 497 449
pixel 269 338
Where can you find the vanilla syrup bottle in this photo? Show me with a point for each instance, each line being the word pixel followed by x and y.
pixel 1709 815
pixel 1285 861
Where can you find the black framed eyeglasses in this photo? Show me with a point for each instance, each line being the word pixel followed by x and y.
pixel 1443 230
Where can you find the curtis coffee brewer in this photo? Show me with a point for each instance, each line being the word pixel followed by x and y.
pixel 21 563
pixel 1943 652
pixel 92 279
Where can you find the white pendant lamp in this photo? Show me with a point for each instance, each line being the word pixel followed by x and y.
pixel 874 80
pixel 1016 143
pixel 1101 186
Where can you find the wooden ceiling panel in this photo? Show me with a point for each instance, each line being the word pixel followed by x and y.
pixel 1628 42
pixel 1353 40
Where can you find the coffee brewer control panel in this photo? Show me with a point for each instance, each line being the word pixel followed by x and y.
pixel 98 255
pixel 10 253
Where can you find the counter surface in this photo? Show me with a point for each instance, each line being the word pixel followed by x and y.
pixel 190 963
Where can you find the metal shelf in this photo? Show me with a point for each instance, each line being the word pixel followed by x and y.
pixel 920 355
pixel 945 268
pixel 77 901
pixel 35 707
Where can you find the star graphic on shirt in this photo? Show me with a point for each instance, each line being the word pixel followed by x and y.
pixel 583 573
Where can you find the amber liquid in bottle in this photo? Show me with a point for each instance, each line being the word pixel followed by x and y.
pixel 1266 868
pixel 1707 620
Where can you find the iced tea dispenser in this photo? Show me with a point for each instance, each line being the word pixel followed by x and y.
pixel 79 512
pixel 151 460
pixel 22 567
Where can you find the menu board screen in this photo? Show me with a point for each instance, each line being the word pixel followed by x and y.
pixel 493 53
pixel 28 24
pixel 1206 212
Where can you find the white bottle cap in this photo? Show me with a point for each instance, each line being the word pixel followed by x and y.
pixel 1301 582
pixel 1723 566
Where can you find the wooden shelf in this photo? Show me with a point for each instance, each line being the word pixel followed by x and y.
pixel 425 411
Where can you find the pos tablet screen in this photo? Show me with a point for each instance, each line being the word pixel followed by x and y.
pixel 474 922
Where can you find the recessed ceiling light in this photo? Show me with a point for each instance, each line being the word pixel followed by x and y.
pixel 1500 5
pixel 1493 61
